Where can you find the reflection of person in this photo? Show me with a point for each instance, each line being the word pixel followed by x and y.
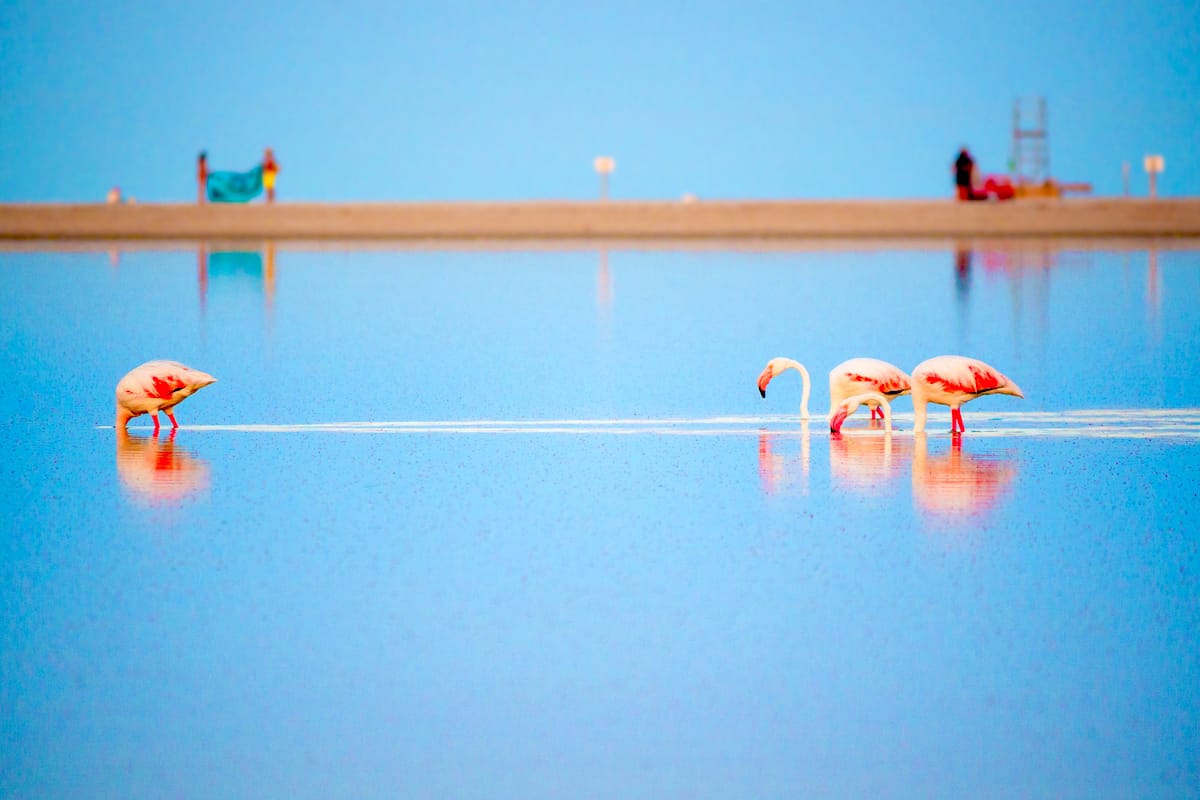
pixel 964 176
pixel 269 170
pixel 201 175
pixel 962 261
pixel 962 271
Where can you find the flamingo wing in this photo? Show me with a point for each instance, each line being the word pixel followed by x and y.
pixel 164 386
pixel 153 381
pixel 871 374
pixel 960 375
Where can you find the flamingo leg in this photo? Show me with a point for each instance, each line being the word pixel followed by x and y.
pixel 155 418
pixel 874 410
pixel 174 424
pixel 956 420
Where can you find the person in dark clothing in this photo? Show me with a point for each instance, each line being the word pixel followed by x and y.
pixel 964 177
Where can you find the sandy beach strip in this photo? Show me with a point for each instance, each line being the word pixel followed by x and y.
pixel 615 220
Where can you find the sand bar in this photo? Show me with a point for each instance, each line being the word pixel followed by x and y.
pixel 598 221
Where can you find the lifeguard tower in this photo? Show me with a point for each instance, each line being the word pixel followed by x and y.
pixel 1029 162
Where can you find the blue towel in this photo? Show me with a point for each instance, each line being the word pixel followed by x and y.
pixel 234 187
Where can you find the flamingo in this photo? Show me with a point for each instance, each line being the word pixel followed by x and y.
pixel 847 379
pixel 847 407
pixel 858 375
pixel 952 381
pixel 157 386
pixel 777 365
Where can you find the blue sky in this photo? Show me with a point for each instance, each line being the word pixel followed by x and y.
pixel 477 101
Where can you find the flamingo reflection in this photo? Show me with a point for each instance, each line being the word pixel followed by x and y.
pixel 957 486
pixel 780 474
pixel 157 472
pixel 865 462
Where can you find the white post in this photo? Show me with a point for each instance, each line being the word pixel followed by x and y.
pixel 604 165
pixel 1154 165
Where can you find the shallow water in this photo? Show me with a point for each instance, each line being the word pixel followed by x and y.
pixel 517 524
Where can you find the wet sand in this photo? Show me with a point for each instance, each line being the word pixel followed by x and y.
pixel 616 220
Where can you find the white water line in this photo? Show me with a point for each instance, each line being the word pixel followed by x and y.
pixel 1183 423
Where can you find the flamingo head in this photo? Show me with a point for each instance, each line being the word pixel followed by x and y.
pixel 839 416
pixel 197 380
pixel 773 368
pixel 847 407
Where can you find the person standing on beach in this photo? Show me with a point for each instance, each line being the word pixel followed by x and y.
pixel 269 170
pixel 201 175
pixel 964 176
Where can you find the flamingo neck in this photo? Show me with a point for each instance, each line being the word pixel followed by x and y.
pixel 807 387
pixel 876 397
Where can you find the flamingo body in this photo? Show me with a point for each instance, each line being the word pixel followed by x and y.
pixel 859 375
pixel 157 386
pixel 952 381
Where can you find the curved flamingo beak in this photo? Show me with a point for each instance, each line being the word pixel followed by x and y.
pixel 835 422
pixel 763 380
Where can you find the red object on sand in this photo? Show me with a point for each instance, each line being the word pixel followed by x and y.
pixel 999 186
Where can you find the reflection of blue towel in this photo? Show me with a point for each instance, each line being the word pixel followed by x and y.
pixel 234 187
pixel 233 263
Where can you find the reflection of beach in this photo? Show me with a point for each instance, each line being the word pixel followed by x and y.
pixel 957 485
pixel 782 474
pixel 157 472
pixel 864 461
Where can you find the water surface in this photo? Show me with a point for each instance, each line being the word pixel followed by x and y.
pixel 517 524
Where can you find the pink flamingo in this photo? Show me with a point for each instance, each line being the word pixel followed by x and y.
pixel 847 379
pixel 859 375
pixel 847 407
pixel 777 365
pixel 952 381
pixel 157 386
